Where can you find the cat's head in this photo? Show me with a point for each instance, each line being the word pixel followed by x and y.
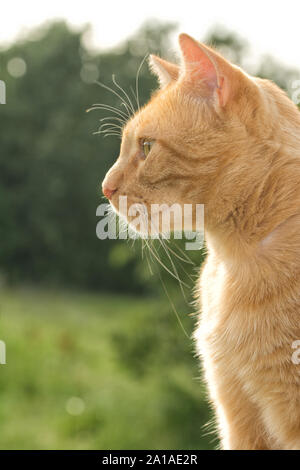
pixel 196 129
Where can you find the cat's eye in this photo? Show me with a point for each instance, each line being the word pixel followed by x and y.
pixel 146 147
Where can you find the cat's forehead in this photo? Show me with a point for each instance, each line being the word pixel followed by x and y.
pixel 155 115
pixel 171 114
pixel 144 121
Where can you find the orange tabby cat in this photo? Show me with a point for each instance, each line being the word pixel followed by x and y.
pixel 232 142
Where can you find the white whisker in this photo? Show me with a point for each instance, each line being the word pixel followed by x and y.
pixel 137 81
pixel 106 87
pixel 125 94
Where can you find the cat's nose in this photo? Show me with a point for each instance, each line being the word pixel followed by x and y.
pixel 112 180
pixel 108 192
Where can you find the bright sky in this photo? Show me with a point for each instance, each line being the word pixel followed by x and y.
pixel 270 26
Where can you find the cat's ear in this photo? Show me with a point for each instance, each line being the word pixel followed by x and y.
pixel 166 72
pixel 201 64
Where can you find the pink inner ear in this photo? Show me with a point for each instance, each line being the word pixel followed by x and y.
pixel 197 63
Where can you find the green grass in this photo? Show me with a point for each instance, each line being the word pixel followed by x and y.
pixel 126 359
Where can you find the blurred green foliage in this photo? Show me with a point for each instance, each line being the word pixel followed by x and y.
pixel 123 358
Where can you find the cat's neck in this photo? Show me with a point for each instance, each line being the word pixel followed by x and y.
pixel 243 227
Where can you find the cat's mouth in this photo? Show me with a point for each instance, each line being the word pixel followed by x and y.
pixel 152 219
pixel 133 212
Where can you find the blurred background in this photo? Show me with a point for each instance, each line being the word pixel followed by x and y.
pixel 97 333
